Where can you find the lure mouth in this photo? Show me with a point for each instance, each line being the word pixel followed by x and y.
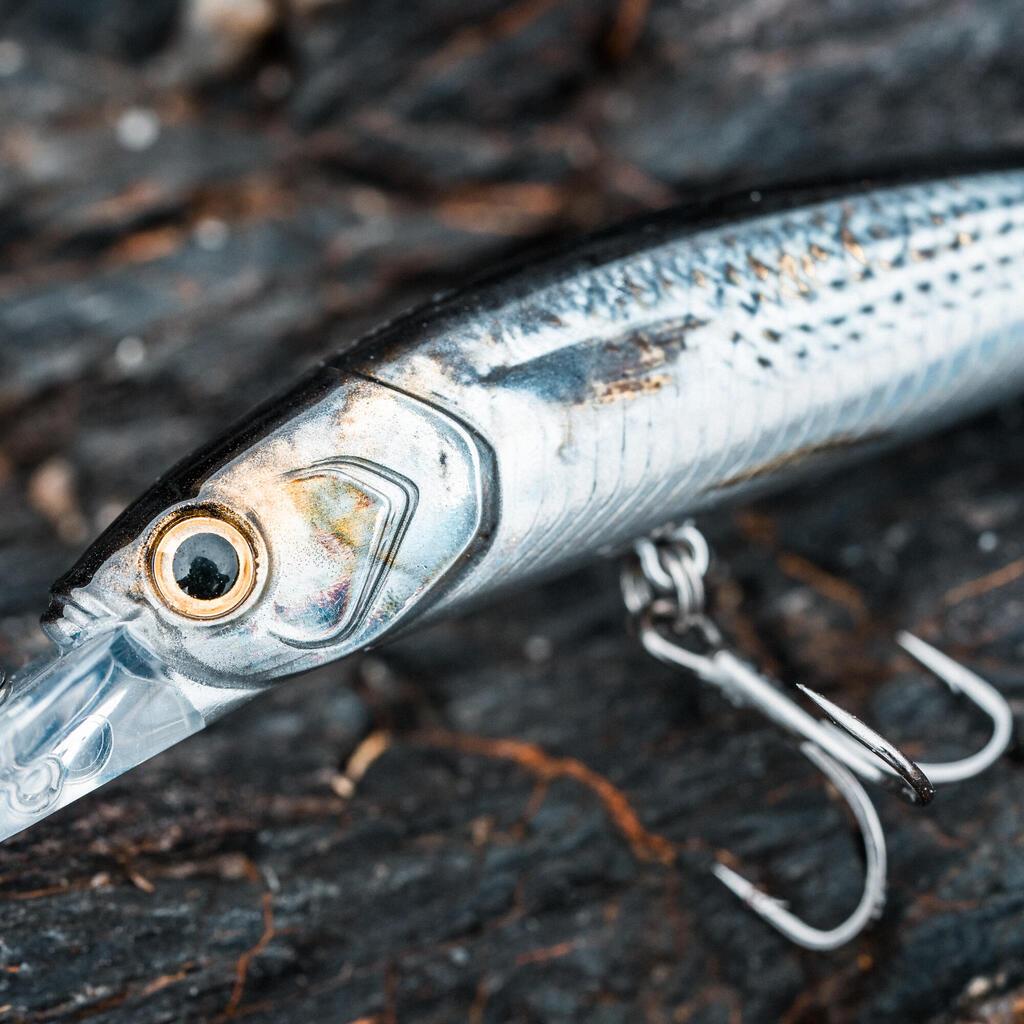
pixel 71 722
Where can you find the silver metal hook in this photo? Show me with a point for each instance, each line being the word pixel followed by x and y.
pixel 666 582
pixel 917 786
pixel 958 679
pixel 663 588
pixel 669 575
pixel 744 686
pixel 872 899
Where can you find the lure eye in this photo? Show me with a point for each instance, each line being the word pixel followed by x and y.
pixel 203 567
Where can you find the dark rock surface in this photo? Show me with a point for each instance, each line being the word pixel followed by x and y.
pixel 507 818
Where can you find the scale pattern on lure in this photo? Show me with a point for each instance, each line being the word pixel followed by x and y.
pixel 673 375
pixel 508 431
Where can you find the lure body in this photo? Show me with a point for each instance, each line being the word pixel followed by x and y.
pixel 680 368
pixel 512 430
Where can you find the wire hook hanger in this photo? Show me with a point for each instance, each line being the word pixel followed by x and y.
pixel 663 589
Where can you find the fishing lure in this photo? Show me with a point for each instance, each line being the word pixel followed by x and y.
pixel 524 425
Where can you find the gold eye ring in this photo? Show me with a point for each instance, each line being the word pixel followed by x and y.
pixel 203 567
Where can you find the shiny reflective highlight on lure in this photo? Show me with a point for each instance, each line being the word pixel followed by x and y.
pixel 511 431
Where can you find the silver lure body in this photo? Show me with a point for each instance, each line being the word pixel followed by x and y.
pixel 515 429
pixel 682 374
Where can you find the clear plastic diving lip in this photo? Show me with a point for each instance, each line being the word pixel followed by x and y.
pixel 76 720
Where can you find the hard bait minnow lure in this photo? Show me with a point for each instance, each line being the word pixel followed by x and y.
pixel 522 426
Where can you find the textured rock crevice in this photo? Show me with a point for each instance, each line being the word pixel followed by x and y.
pixel 509 817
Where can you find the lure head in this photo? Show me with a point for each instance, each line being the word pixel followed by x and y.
pixel 332 517
pixel 269 556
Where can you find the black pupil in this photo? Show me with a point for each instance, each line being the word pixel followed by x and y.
pixel 205 566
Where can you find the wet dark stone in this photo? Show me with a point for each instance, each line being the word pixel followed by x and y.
pixel 182 232
pixel 117 28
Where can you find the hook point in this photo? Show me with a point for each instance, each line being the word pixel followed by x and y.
pixel 918 788
pixel 745 889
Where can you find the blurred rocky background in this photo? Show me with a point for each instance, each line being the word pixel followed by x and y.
pixel 511 817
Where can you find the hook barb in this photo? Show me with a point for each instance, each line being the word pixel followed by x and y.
pixel 775 912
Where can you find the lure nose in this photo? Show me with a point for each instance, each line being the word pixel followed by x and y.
pixel 73 616
pixel 74 721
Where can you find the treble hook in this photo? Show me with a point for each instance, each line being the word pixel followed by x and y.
pixel 665 586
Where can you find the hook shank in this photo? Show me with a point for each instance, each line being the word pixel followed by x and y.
pixel 744 685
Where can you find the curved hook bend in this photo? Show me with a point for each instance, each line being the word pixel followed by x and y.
pixel 958 679
pixel 774 912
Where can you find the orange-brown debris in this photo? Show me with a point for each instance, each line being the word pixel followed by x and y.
pixel 644 844
pixel 242 965
pixel 831 587
pixel 540 956
pixel 982 585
